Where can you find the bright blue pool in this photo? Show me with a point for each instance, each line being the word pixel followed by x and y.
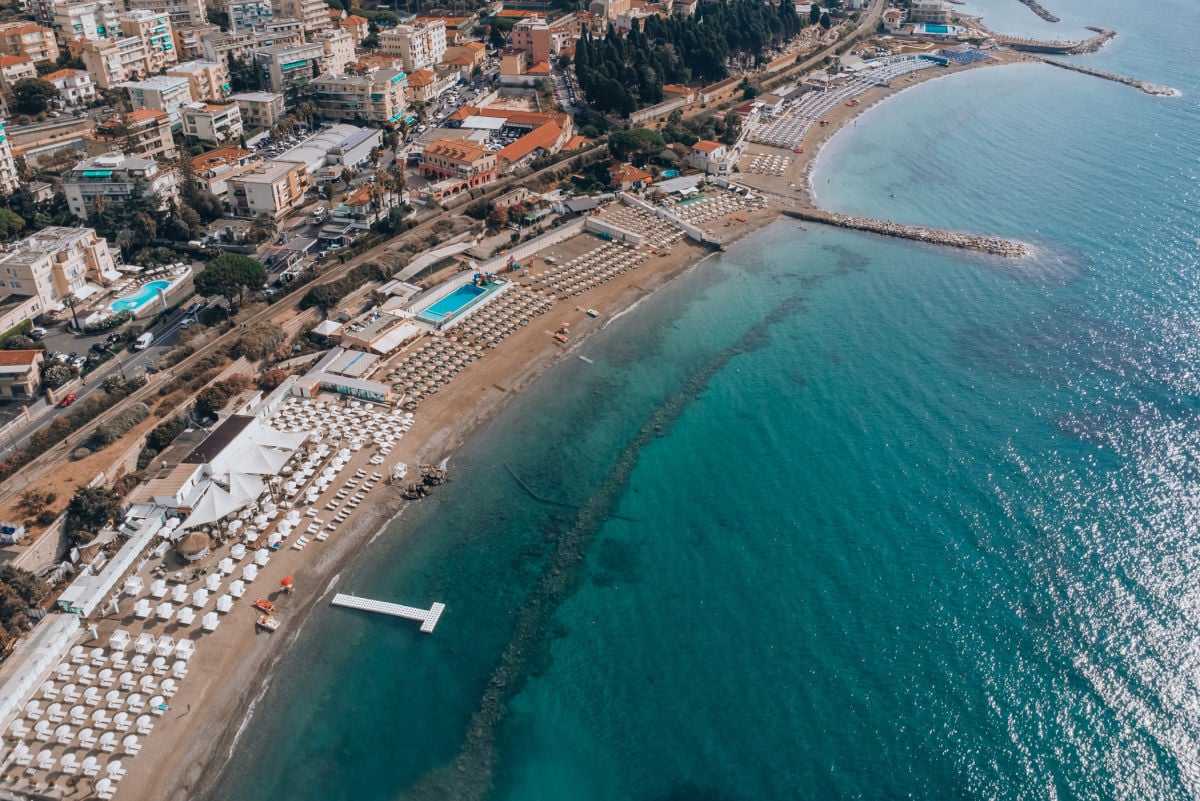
pixel 670 173
pixel 144 295
pixel 453 303
pixel 937 29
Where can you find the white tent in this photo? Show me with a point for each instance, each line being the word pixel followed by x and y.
pixel 214 505
pixel 244 486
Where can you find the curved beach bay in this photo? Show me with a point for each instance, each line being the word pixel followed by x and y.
pixel 830 516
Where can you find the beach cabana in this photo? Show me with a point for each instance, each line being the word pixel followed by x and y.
pixel 165 611
pixel 119 640
pixel 192 547
pixel 144 644
pixel 210 621
pixel 133 585
pixel 237 588
pixel 186 615
pixel 184 649
pixel 224 604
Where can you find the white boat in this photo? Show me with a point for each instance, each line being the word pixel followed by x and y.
pixel 593 313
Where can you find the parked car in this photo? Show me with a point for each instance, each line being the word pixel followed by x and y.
pixel 67 401
pixel 37 333
pixel 78 362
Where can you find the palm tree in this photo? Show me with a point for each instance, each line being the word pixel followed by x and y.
pixel 70 301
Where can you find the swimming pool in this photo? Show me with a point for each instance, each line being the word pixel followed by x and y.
pixel 936 28
pixel 452 304
pixel 670 173
pixel 144 295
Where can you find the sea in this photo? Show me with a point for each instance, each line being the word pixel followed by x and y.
pixel 831 516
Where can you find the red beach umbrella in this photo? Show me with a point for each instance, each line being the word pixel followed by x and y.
pixel 286 582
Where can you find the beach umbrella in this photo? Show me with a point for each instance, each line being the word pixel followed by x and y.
pixel 287 583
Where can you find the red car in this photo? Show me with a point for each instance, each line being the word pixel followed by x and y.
pixel 67 401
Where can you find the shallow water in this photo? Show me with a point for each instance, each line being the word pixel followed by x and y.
pixel 832 516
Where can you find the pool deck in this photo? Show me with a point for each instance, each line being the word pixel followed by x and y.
pixel 470 305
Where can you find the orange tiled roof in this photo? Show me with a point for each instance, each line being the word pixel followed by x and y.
pixel 12 358
pixel 421 78
pixel 64 73
pixel 354 19
pixel 457 149
pixel 12 61
pixel 540 68
pixel 218 157
pixel 543 137
pixel 628 173
pixel 576 142
pixel 676 89
pixel 451 22
pixel 360 197
pixel 461 61
pixel 707 146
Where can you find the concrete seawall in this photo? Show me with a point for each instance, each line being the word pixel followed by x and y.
pixel 993 246
pixel 1149 88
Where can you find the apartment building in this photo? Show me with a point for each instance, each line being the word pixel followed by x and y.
pixel 289 67
pixel 83 19
pixel 213 170
pixel 56 262
pixel 10 179
pixel 357 26
pixel 145 132
pixel 379 98
pixel 313 14
pixel 142 45
pixel 248 14
pixel 75 87
pixel 930 11
pixel 275 188
pixel 162 93
pixel 216 124
pixel 113 176
pixel 535 36
pixel 420 45
pixel 426 85
pixel 207 80
pixel 157 33
pixel 180 12
pixel 189 42
pixel 467 54
pixel 260 110
pixel 464 161
pixel 30 40
pixel 339 50
pixel 242 44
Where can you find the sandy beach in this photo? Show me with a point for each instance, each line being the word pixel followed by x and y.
pixel 232 666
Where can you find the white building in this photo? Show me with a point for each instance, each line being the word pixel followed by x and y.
pixel 340 145
pixel 216 124
pixel 260 110
pixel 339 50
pixel 420 45
pixel 75 87
pixel 161 93
pixel 84 19
pixel 114 176
pixel 208 80
pixel 56 262
pixel 9 178
pixel 710 157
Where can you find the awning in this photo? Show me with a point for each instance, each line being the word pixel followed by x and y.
pixel 86 291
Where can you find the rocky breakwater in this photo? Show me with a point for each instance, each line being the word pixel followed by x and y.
pixel 1145 86
pixel 1036 8
pixel 1061 48
pixel 993 246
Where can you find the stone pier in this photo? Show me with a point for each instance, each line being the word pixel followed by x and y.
pixel 993 246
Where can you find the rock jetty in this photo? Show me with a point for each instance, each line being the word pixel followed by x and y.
pixel 1149 88
pixel 1036 8
pixel 1061 48
pixel 990 245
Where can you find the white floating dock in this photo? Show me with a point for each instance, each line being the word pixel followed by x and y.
pixel 427 617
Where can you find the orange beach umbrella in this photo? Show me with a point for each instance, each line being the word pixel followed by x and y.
pixel 286 582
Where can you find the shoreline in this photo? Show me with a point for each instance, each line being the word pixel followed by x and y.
pixel 232 673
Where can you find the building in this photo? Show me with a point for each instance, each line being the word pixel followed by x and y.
pixel 188 39
pixel 114 176
pixel 467 54
pixel 28 39
pixel 180 12
pixel 83 19
pixel 75 87
pixel 313 14
pixel 260 110
pixel 56 262
pixel 420 45
pixel 216 124
pixel 13 69
pixel 709 157
pixel 339 146
pixel 358 27
pixel 533 35
pixel 161 93
pixel 627 177
pixel 379 97
pixel 339 50
pixel 220 46
pixel 289 68
pixel 20 373
pixel 145 132
pixel 464 165
pixel 544 140
pixel 245 15
pixel 157 34
pixel 893 18
pixel 212 171
pixel 422 86
pixel 10 179
pixel 208 81
pixel 934 12
pixel 274 188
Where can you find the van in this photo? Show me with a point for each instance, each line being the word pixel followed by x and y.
pixel 143 341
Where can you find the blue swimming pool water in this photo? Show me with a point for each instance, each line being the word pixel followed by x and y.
pixel 670 173
pixel 692 201
pixel 452 304
pixel 143 296
pixel 936 29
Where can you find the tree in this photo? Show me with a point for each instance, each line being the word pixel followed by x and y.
pixel 217 16
pixel 495 38
pixel 733 128
pixel 11 224
pixel 33 95
pixel 89 510
pixel 825 23
pixel 635 144
pixel 56 375
pixel 814 13
pixel 230 275
pixel 324 297
pixel 261 230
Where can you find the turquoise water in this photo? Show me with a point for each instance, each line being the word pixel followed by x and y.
pixel 453 303
pixel 936 29
pixel 147 293
pixel 832 516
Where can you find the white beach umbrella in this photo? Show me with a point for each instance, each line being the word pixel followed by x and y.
pixel 237 588
pixel 186 616
pixel 165 611
pixel 210 621
pixel 212 582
